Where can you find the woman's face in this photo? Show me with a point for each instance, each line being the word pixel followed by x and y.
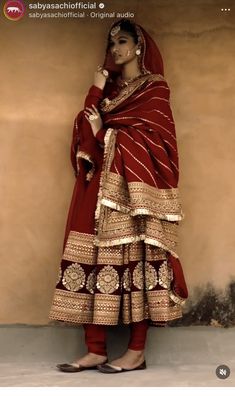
pixel 122 48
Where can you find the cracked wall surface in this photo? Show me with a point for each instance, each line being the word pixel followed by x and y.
pixel 47 69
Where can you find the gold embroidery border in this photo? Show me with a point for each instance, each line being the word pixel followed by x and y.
pixel 136 238
pixel 85 308
pixel 118 255
pixel 126 92
pixel 156 307
pixel 87 157
pixel 68 307
pixel 80 248
pixel 140 198
pixel 117 228
pixel 109 148
pixel 104 308
pixel 160 306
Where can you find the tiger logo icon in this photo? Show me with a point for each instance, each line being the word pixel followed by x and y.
pixel 14 9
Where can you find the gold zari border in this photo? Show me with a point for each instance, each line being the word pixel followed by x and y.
pixel 104 308
pixel 140 198
pixel 87 157
pixel 116 228
pixel 107 105
pixel 157 307
pixel 80 248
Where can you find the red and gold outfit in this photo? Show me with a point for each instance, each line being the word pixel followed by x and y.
pixel 120 261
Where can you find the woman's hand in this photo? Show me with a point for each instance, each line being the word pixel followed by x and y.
pixel 100 77
pixel 93 117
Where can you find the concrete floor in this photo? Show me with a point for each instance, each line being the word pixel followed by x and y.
pixel 42 374
pixel 176 357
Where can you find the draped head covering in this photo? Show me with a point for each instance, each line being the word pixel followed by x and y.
pixel 150 58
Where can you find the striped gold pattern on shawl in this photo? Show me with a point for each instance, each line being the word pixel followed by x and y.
pixel 131 212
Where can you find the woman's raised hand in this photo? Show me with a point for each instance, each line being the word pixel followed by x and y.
pixel 100 77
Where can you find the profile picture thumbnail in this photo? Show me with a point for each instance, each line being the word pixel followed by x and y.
pixel 14 10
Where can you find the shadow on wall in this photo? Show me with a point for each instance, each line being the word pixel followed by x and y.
pixel 209 307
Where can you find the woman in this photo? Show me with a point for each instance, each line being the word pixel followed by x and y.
pixel 120 261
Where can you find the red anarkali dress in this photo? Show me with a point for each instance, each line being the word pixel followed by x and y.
pixel 120 261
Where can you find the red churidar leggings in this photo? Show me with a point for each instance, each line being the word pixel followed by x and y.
pixel 95 337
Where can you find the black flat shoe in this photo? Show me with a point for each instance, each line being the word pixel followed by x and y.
pixel 74 368
pixel 110 369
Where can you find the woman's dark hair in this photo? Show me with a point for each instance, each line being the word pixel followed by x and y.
pixel 126 26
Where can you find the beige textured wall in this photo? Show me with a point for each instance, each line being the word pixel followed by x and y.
pixel 46 70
